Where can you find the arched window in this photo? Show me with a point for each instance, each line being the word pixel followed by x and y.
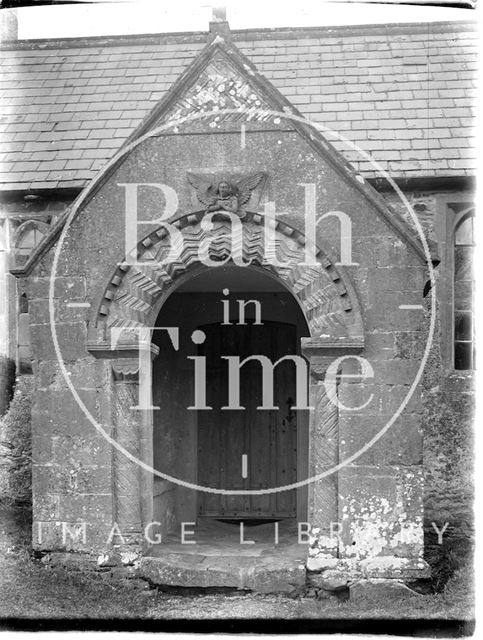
pixel 28 236
pixel 28 240
pixel 463 293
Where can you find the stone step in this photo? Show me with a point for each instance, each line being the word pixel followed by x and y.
pixel 260 574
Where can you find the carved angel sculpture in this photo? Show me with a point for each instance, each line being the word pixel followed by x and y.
pixel 224 195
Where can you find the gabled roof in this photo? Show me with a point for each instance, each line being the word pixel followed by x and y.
pixel 219 78
pixel 401 92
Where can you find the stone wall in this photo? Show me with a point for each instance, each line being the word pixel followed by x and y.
pixel 447 404
pixel 76 472
pixel 448 398
pixel 389 273
pixel 20 212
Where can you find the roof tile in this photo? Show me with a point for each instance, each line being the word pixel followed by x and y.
pixel 404 95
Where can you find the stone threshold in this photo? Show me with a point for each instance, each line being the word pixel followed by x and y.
pixel 262 574
pixel 265 573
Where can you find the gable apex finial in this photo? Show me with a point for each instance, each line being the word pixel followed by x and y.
pixel 219 25
pixel 219 14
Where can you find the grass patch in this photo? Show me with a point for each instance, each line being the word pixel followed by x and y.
pixel 30 589
pixel 16 443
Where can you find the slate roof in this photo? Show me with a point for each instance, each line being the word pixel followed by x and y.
pixel 404 93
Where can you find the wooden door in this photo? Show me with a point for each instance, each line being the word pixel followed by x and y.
pixel 268 438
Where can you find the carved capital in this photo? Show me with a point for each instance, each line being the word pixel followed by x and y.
pixel 122 351
pixel 125 370
pixel 331 347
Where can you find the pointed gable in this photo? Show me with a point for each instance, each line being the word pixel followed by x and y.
pixel 373 89
pixel 220 91
pixel 221 88
pixel 222 79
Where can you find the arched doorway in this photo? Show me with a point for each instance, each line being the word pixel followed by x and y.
pixel 141 295
pixel 244 312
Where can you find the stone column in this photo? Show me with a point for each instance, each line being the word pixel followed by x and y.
pixel 127 432
pixel 132 429
pixel 324 438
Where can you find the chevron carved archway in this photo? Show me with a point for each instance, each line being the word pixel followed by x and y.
pixel 132 297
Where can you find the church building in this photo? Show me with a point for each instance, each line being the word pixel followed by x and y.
pixel 236 266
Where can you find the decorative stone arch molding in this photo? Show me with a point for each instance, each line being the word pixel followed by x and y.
pixel 136 292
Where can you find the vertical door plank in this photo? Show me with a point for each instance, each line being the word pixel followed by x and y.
pixel 268 438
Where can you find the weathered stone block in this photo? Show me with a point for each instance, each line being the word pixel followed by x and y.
pixel 71 289
pixel 184 571
pixel 402 444
pixel 386 252
pixel 385 313
pixel 45 507
pixel 42 448
pixel 320 563
pixel 277 577
pixel 380 511
pixel 271 576
pixel 330 580
pixel 70 478
pixel 379 592
pixel 57 412
pixel 71 338
pixel 40 310
pixel 374 397
pixel 110 559
pixel 46 535
pixel 73 562
pixel 394 567
pixel 87 373
pixel 379 344
pixel 44 479
pixel 409 344
pixel 397 371
pixel 82 451
pixel 69 535
pixel 391 396
pixel 87 508
pixel 404 279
